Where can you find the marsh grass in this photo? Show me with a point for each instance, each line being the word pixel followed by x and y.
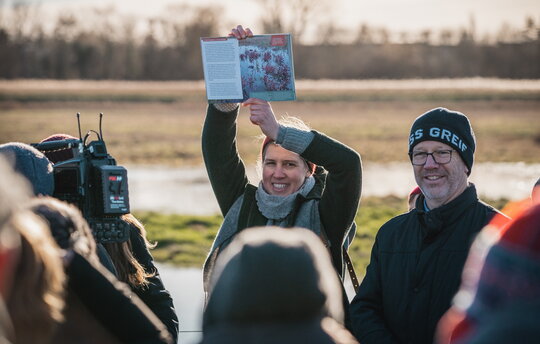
pixel 160 123
pixel 169 133
pixel 185 240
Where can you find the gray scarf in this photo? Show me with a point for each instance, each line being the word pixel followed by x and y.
pixel 276 208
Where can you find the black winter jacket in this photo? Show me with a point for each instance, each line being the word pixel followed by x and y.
pixel 338 189
pixel 155 296
pixel 415 270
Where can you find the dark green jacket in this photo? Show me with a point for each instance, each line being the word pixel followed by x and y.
pixel 338 189
pixel 415 270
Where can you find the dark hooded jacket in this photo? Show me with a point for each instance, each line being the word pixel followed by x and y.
pixel 415 270
pixel 105 310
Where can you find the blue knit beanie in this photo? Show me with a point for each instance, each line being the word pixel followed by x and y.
pixel 32 164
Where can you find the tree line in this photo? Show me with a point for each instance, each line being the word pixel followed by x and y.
pixel 105 46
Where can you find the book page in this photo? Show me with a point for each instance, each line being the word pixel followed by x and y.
pixel 221 64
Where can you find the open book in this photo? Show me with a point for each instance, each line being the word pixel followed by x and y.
pixel 256 67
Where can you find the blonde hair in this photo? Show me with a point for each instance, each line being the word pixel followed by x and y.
pixel 37 302
pixel 129 269
pixel 286 121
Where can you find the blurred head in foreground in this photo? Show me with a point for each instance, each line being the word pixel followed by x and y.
pixel 500 285
pixel 32 164
pixel 268 288
pixel 31 271
pixel 535 195
pixel 67 226
pixel 14 193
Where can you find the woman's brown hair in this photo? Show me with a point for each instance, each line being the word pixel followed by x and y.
pixel 129 269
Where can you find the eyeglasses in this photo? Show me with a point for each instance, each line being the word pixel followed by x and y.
pixel 440 157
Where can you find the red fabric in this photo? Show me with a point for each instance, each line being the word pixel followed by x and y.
pixel 59 155
pixel 524 232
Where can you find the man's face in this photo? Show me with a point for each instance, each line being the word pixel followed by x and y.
pixel 440 183
pixel 284 171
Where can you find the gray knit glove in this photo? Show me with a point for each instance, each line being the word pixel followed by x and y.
pixel 293 139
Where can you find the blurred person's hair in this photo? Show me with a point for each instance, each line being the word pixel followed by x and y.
pixel 67 225
pixel 128 267
pixel 14 192
pixel 36 304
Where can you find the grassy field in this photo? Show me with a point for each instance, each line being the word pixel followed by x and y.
pixel 185 240
pixel 147 123
pixel 160 123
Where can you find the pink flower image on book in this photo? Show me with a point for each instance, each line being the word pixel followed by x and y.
pixel 264 64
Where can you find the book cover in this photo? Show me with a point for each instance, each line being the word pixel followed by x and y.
pixel 256 67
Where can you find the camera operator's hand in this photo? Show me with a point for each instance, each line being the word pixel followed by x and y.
pixel 261 114
pixel 240 33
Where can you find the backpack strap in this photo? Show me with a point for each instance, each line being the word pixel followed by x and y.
pixel 350 268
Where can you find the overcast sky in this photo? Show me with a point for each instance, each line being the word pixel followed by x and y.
pixel 396 15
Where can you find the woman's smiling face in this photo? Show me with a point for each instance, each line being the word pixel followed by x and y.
pixel 283 171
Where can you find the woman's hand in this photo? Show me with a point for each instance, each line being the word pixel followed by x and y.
pixel 240 33
pixel 261 114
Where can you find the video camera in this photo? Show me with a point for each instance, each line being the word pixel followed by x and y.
pixel 94 183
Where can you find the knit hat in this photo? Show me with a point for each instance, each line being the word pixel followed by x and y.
pixel 267 140
pixel 261 258
pixel 449 127
pixel 32 164
pixel 61 154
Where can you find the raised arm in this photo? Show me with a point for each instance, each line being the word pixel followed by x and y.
pixel 225 169
pixel 341 196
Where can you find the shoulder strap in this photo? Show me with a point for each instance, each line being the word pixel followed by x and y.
pixel 350 268
pixel 347 259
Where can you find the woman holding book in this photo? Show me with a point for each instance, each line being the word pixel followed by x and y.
pixel 308 179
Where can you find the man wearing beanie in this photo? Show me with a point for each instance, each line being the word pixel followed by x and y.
pixel 417 258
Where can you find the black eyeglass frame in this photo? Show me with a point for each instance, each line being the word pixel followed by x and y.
pixel 411 157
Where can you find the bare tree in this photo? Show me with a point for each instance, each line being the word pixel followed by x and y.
pixel 294 16
pixel 365 35
pixel 25 19
pixel 329 33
